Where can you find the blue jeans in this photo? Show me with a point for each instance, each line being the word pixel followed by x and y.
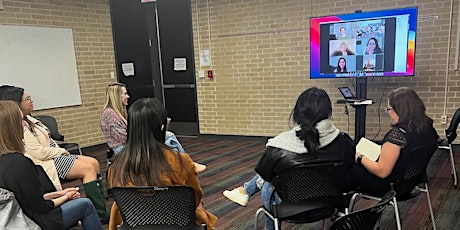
pixel 172 142
pixel 118 149
pixel 252 187
pixel 80 209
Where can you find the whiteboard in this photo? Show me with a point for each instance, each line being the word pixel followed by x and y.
pixel 42 61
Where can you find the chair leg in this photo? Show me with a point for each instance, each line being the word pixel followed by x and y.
pixel 429 204
pixel 277 223
pixel 256 223
pixel 398 221
pixel 267 215
pixel 352 202
pixel 452 162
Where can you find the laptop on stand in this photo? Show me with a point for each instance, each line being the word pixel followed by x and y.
pixel 348 95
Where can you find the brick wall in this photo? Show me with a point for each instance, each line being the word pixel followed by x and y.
pixel 92 31
pixel 260 58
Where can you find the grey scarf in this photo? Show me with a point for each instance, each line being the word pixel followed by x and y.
pixel 289 141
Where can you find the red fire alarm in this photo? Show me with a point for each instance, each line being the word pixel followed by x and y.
pixel 210 75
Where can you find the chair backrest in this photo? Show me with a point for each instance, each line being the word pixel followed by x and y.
pixel 307 188
pixel 415 171
pixel 451 131
pixel 165 207
pixel 51 123
pixel 11 214
pixel 364 219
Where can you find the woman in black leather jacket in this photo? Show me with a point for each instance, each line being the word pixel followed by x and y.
pixel 313 139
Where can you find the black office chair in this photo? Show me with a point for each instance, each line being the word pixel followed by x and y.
pixel 165 207
pixel 309 193
pixel 451 134
pixel 413 181
pixel 50 122
pixel 364 219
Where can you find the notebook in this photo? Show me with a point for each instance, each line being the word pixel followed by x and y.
pixel 368 148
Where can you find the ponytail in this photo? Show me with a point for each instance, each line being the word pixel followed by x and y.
pixel 310 136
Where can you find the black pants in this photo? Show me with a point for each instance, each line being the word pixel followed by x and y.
pixel 361 180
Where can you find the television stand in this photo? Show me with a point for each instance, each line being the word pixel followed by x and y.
pixel 360 115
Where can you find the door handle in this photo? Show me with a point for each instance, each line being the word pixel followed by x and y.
pixel 182 86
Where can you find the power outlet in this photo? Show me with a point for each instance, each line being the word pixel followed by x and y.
pixel 444 119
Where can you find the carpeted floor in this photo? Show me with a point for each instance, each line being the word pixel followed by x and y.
pixel 230 162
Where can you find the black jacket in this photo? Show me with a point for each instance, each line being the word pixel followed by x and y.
pixel 19 175
pixel 276 160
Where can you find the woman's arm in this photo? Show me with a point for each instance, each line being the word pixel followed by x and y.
pixel 24 182
pixel 266 167
pixel 69 195
pixel 387 160
pixel 38 151
pixel 118 131
pixel 113 128
pixel 60 200
pixel 52 195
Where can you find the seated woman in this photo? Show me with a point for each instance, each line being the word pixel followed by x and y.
pixel 313 138
pixel 147 161
pixel 18 174
pixel 113 122
pixel 113 118
pixel 411 127
pixel 56 161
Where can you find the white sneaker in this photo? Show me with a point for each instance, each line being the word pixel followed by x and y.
pixel 237 196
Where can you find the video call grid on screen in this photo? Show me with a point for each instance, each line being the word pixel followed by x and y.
pixel 373 46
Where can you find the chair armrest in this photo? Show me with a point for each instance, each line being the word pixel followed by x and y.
pixel 72 148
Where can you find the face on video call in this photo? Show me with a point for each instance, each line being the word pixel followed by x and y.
pixel 342 63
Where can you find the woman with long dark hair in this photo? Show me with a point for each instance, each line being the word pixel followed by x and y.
pixel 312 138
pixel 114 122
pixel 147 161
pixel 341 66
pixel 372 47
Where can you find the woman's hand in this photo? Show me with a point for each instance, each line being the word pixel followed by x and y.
pixel 65 191
pixel 72 195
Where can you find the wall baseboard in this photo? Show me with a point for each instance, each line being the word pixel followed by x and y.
pixel 236 137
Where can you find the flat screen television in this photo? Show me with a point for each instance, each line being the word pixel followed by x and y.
pixel 367 44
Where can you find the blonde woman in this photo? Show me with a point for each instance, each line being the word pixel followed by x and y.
pixel 18 174
pixel 343 50
pixel 56 161
pixel 114 120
